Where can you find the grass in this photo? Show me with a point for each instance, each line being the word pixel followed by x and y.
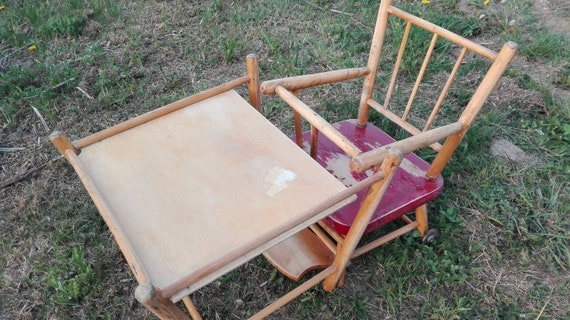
pixel 503 250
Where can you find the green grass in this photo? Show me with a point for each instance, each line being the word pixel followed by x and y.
pixel 503 250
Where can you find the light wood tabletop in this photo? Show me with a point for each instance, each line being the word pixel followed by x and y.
pixel 206 188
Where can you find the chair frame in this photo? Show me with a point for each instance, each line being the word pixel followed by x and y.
pixel 288 90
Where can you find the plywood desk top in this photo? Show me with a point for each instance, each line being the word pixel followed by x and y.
pixel 204 189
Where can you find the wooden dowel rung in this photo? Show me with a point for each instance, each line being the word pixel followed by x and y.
pixel 318 122
pixel 397 65
pixel 446 34
pixel 445 89
pixel 151 115
pixel 294 293
pixel 420 77
pixel 393 117
pixel 382 240
pixel 192 310
pixel 335 235
pixel 323 236
pixel 406 219
pixel 298 124
pixel 310 80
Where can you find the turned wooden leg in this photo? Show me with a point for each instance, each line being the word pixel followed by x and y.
pixel 422 219
pixel 162 307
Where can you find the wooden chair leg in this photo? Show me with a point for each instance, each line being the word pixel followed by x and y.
pixel 367 209
pixel 162 307
pixel 422 219
pixel 191 308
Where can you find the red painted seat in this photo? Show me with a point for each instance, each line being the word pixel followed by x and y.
pixel 409 189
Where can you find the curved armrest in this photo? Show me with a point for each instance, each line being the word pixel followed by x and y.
pixel 369 159
pixel 310 80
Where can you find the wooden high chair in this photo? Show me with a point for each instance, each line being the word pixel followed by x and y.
pixel 349 149
pixel 194 189
pixel 198 187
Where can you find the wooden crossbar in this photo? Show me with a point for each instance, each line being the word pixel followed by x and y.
pixel 396 119
pixel 446 34
pixel 156 113
pixel 374 157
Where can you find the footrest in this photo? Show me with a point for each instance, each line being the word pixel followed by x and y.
pixel 300 254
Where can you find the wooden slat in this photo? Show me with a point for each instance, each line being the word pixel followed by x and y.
pixel 310 80
pixel 325 238
pixel 335 235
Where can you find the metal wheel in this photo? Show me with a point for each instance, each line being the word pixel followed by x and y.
pixel 430 236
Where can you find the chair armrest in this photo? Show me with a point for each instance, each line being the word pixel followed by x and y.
pixel 310 80
pixel 318 122
pixel 369 159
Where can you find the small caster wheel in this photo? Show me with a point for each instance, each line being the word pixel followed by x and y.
pixel 430 236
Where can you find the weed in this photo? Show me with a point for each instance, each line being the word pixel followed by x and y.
pixel 72 280
pixel 548 46
pixel 229 47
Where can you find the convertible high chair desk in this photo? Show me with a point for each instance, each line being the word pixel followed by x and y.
pixel 194 189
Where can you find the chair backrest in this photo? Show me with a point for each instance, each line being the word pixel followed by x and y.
pixel 418 108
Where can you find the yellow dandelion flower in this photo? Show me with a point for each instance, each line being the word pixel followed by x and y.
pixel 426 2
pixel 32 47
pixel 486 2
pixel 2 8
